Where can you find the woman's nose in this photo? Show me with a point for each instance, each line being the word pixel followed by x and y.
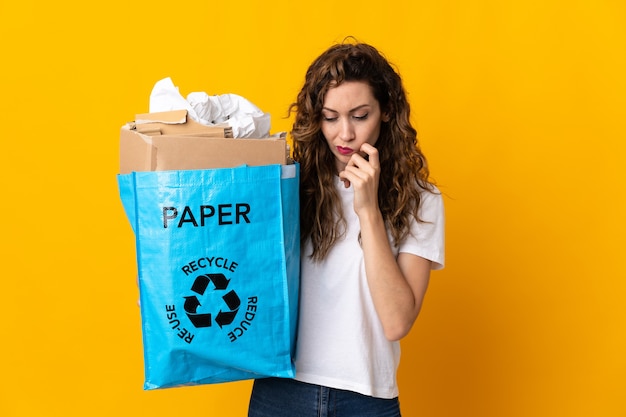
pixel 346 132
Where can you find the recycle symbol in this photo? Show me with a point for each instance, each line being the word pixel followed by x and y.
pixel 192 303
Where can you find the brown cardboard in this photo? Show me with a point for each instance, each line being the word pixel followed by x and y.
pixel 172 141
pixel 177 123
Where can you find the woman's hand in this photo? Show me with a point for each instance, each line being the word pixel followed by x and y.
pixel 363 172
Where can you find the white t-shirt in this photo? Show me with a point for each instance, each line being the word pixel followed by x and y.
pixel 341 343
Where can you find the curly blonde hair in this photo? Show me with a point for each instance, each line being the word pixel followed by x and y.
pixel 404 170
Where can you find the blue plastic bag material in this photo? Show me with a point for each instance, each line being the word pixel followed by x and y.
pixel 218 258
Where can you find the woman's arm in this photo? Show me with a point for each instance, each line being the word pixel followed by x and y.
pixel 397 285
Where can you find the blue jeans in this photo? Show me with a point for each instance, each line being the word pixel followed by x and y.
pixel 281 397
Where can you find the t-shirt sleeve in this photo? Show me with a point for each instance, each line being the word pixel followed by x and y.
pixel 427 237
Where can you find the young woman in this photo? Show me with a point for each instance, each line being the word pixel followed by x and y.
pixel 372 228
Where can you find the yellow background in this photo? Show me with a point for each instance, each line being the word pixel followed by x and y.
pixel 520 107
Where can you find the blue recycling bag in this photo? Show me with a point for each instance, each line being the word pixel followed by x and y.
pixel 218 259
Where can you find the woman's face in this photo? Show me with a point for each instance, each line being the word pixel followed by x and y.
pixel 351 116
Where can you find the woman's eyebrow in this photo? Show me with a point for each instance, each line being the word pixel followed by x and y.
pixel 349 111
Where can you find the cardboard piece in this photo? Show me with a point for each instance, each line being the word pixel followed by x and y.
pixel 177 123
pixel 172 141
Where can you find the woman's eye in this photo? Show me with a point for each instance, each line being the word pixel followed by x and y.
pixel 329 118
pixel 361 117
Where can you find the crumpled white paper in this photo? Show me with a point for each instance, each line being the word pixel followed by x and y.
pixel 246 120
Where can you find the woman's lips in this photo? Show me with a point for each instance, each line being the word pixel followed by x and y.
pixel 344 151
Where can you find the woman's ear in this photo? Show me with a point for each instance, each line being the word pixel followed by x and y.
pixel 385 117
